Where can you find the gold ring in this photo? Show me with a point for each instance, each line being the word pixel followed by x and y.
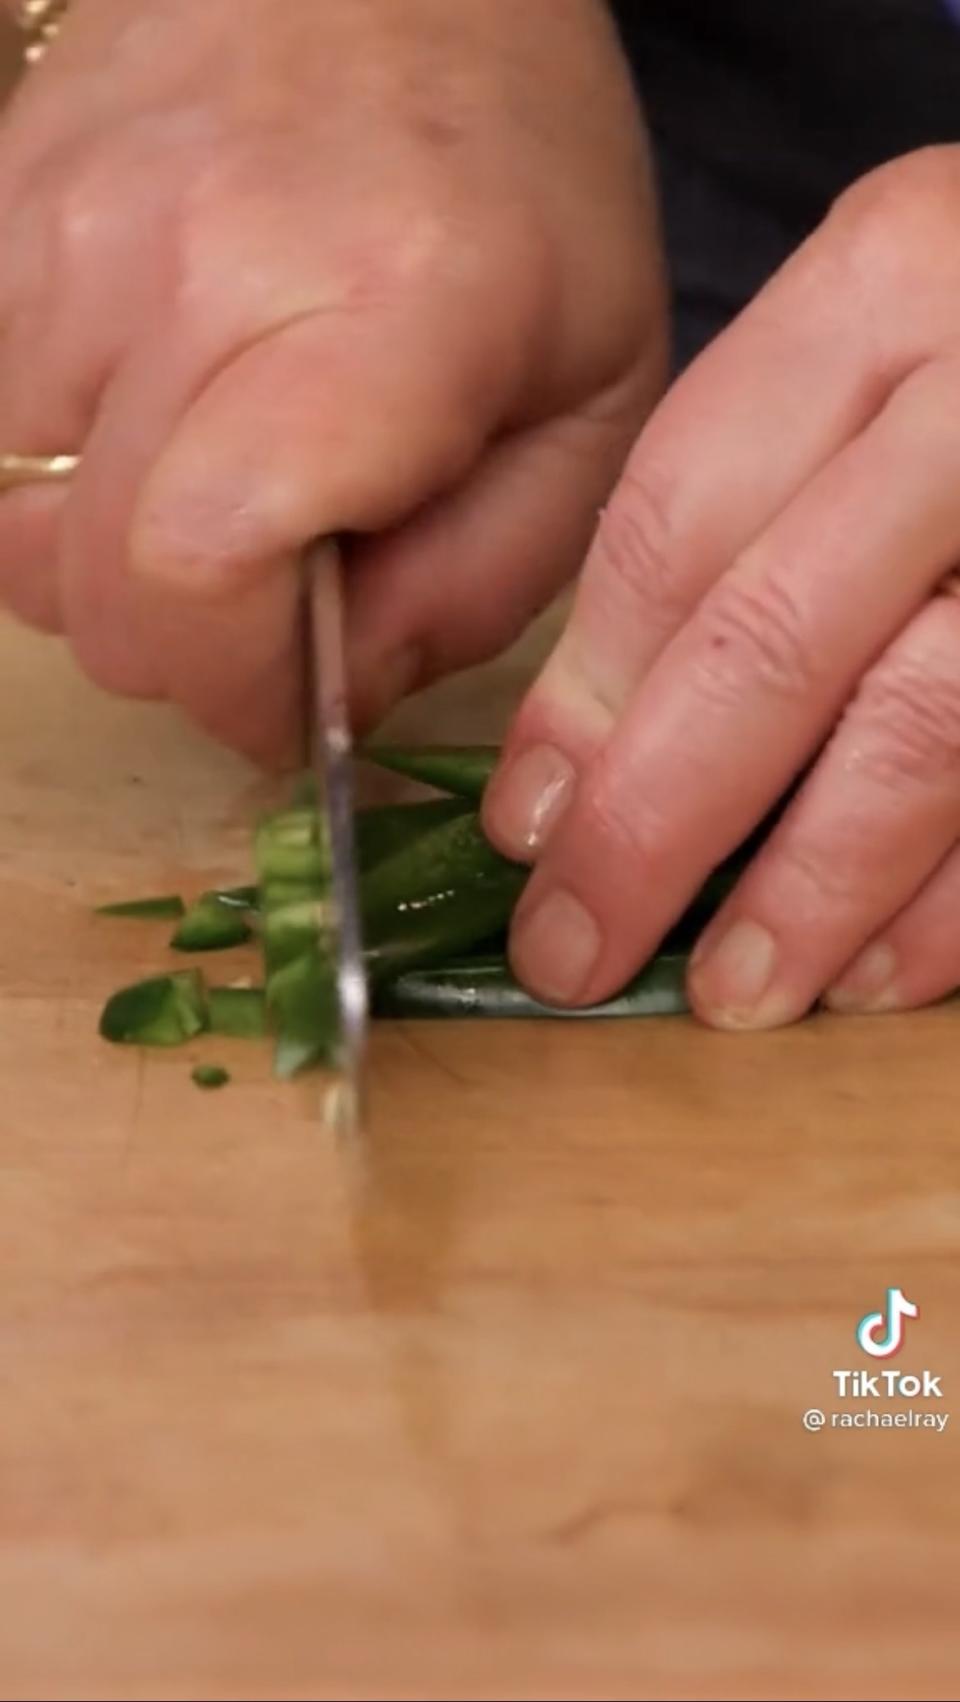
pixel 16 470
pixel 40 22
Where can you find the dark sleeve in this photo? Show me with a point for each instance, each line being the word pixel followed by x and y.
pixel 762 112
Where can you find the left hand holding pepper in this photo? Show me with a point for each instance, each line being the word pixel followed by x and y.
pixel 768 590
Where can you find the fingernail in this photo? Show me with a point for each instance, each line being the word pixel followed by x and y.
pixel 869 983
pixel 732 978
pixel 555 946
pixel 528 798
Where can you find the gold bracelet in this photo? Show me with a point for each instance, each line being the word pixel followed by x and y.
pixel 40 22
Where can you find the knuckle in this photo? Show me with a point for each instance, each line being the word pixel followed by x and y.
pixel 90 198
pixel 891 216
pixel 753 631
pixel 250 201
pixel 429 244
pixel 819 875
pixel 636 546
pixel 911 716
pixel 82 206
pixel 621 831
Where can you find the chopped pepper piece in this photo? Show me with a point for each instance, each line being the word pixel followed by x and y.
pixel 213 923
pixel 165 1010
pixel 210 1075
pixel 165 909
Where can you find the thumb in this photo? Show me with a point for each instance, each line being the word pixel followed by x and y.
pixel 323 426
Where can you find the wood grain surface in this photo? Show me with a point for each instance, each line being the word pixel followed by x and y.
pixel 513 1410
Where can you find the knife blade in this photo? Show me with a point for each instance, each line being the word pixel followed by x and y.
pixel 329 757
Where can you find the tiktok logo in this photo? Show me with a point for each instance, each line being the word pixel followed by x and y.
pixel 881 1333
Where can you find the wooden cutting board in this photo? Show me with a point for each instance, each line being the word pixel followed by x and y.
pixel 517 1413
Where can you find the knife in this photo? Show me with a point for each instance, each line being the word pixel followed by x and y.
pixel 329 757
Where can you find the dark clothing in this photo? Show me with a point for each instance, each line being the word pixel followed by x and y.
pixel 763 110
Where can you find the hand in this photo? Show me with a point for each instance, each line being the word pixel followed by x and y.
pixel 766 592
pixel 280 269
